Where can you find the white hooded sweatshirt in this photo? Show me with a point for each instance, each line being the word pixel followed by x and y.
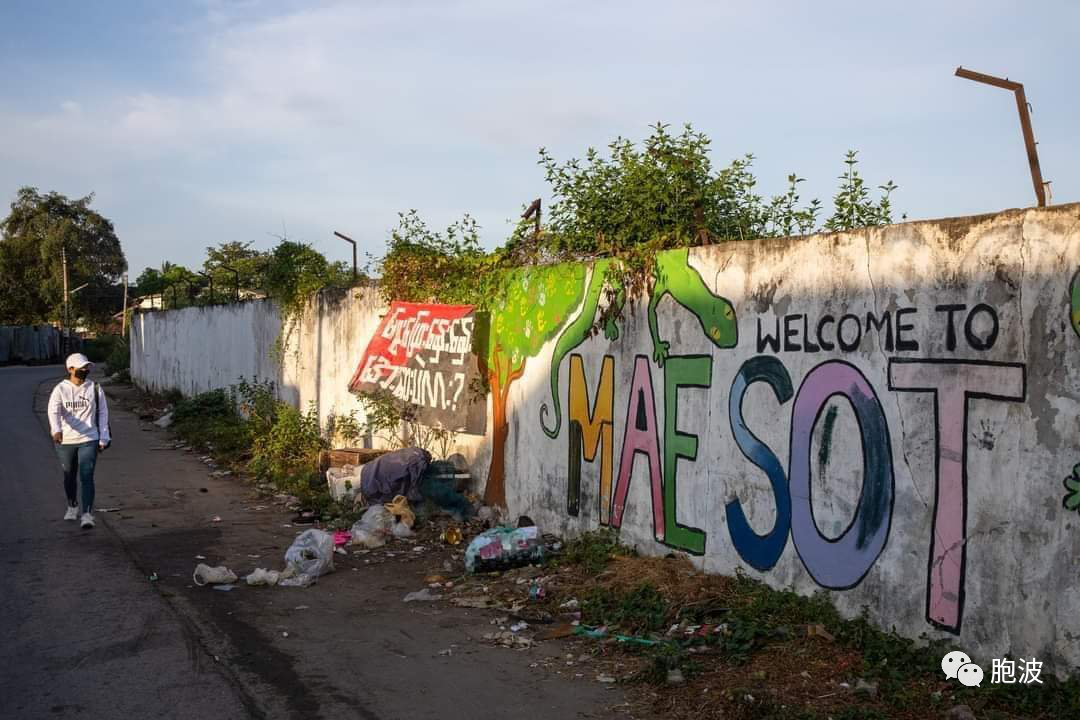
pixel 71 412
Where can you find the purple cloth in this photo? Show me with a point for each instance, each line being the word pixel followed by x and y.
pixel 395 473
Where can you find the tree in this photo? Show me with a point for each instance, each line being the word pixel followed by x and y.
pixel 32 238
pixel 250 265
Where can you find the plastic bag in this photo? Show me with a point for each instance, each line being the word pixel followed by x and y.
pixel 262 576
pixel 206 575
pixel 502 548
pixel 373 527
pixel 310 555
pixel 401 530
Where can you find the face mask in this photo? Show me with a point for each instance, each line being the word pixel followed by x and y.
pixel 82 373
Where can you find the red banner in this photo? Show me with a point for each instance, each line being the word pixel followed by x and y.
pixel 423 354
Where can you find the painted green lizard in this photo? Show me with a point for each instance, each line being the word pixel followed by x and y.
pixel 672 276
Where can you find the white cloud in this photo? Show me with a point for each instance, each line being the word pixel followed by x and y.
pixel 339 115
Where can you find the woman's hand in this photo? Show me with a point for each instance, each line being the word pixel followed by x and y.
pixel 57 438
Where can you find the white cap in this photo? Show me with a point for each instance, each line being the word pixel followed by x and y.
pixel 77 360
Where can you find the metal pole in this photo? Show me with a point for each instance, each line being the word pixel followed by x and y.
pixel 123 319
pixel 237 274
pixel 211 279
pixel 534 211
pixel 1025 124
pixel 348 239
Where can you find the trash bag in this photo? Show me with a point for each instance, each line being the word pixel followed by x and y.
pixel 206 575
pixel 502 548
pixel 310 555
pixel 373 527
pixel 400 509
pixel 395 473
pixel 262 576
pixel 442 491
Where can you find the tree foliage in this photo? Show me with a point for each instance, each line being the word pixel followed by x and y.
pixel 628 204
pixel 31 272
pixel 429 265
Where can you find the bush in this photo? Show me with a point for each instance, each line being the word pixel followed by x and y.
pixel 287 454
pixel 112 350
pixel 209 421
pixel 119 358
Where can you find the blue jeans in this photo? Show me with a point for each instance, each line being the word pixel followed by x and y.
pixel 79 460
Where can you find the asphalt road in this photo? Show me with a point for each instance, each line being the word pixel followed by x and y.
pixel 85 633
pixel 82 632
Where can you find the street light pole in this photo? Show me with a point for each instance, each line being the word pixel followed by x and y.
pixel 235 272
pixel 211 279
pixel 352 242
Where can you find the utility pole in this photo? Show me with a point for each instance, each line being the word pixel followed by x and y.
pixel 123 321
pixel 64 320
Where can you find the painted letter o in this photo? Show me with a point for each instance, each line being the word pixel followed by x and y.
pixel 841 563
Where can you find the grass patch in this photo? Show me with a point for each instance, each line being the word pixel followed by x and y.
pixel 641 610
pixel 760 639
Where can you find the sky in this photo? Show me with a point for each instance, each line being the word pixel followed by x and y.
pixel 207 122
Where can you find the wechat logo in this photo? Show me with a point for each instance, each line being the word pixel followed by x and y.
pixel 957 665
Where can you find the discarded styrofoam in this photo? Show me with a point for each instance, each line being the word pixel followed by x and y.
pixel 206 575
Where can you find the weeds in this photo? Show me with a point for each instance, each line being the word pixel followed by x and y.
pixel 249 427
pixel 593 550
pixel 643 609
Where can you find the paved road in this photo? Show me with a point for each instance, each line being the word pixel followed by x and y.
pixel 82 631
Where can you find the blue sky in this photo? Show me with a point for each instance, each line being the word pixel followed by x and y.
pixel 200 123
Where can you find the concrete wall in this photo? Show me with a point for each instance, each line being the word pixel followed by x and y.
pixel 197 349
pixel 29 343
pixel 886 415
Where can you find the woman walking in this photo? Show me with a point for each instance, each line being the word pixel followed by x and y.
pixel 79 422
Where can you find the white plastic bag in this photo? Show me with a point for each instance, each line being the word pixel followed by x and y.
pixel 206 575
pixel 310 555
pixel 262 576
pixel 373 527
pixel 401 530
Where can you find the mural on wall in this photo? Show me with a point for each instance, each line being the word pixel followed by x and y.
pixel 1071 501
pixel 536 303
pixel 840 562
pixel 592 431
pixel 423 355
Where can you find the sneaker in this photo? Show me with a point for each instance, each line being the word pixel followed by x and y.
pixel 87 521
pixel 72 513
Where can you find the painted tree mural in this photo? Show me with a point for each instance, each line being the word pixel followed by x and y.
pixel 536 303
